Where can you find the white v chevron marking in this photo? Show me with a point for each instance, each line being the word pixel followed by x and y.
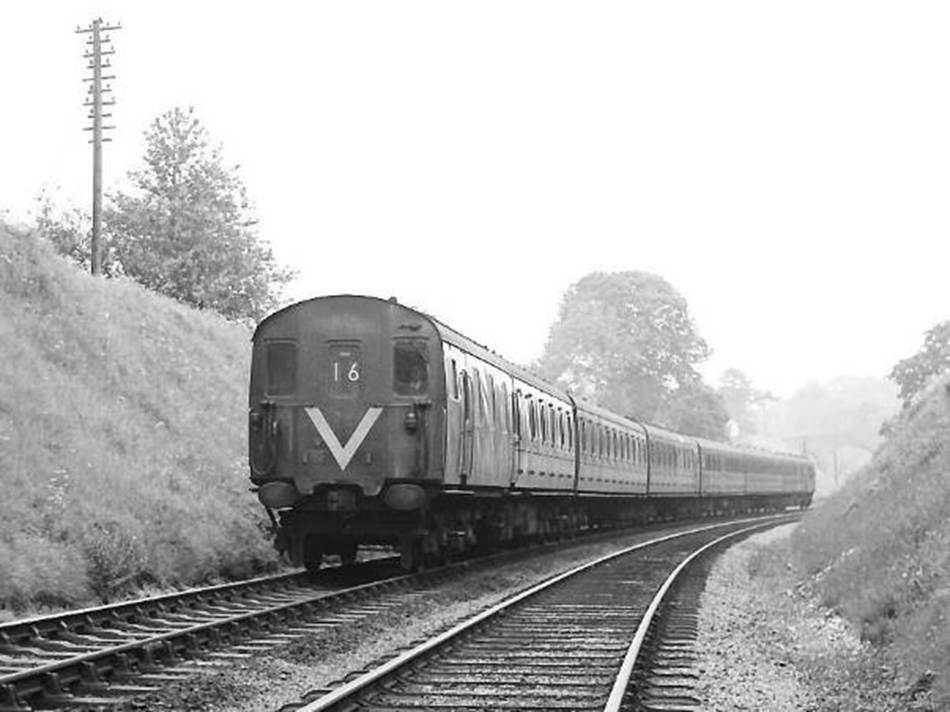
pixel 343 453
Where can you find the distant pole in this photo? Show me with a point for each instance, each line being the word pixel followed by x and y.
pixel 94 101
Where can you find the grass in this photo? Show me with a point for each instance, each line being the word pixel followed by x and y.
pixel 122 417
pixel 878 551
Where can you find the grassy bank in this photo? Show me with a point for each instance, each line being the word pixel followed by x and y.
pixel 878 552
pixel 122 419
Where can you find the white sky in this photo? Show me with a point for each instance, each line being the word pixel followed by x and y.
pixel 784 165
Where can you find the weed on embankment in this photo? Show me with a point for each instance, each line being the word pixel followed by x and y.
pixel 122 437
pixel 878 551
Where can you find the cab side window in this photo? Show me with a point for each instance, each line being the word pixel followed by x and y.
pixel 410 367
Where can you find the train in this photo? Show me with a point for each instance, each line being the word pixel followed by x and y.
pixel 372 423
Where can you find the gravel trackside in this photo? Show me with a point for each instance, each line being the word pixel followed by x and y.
pixel 765 645
pixel 282 675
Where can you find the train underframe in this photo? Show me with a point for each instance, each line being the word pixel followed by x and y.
pixel 452 522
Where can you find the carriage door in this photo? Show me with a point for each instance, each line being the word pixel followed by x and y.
pixel 468 430
pixel 517 436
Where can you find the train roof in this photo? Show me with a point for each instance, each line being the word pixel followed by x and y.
pixel 730 448
pixel 620 420
pixel 658 433
pixel 456 338
pixel 447 334
pixel 465 343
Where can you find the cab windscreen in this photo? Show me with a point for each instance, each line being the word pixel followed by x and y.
pixel 281 358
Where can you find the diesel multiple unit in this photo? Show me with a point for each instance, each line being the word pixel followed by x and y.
pixel 374 423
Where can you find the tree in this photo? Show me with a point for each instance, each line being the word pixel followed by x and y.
pixel 68 229
pixel 913 373
pixel 695 409
pixel 625 341
pixel 187 231
pixel 741 399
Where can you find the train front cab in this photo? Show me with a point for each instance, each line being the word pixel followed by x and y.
pixel 346 423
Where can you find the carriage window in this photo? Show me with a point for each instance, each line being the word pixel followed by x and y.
pixel 455 380
pixel 466 398
pixel 281 367
pixel 410 367
pixel 483 390
pixel 516 413
pixel 477 409
pixel 494 401
pixel 503 408
pixel 345 370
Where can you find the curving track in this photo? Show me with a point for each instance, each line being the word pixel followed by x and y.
pixel 100 658
pixel 570 643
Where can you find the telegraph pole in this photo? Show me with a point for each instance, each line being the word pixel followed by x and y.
pixel 94 101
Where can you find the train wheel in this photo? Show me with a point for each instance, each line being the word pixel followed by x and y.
pixel 313 563
pixel 433 549
pixel 348 554
pixel 410 553
pixel 312 554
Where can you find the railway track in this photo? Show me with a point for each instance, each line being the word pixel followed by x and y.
pixel 665 675
pixel 95 658
pixel 101 658
pixel 572 642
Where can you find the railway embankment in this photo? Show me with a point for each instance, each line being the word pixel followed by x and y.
pixel 122 446
pixel 852 609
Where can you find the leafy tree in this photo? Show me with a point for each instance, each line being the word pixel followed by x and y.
pixel 625 340
pixel 695 409
pixel 187 231
pixel 913 373
pixel 741 399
